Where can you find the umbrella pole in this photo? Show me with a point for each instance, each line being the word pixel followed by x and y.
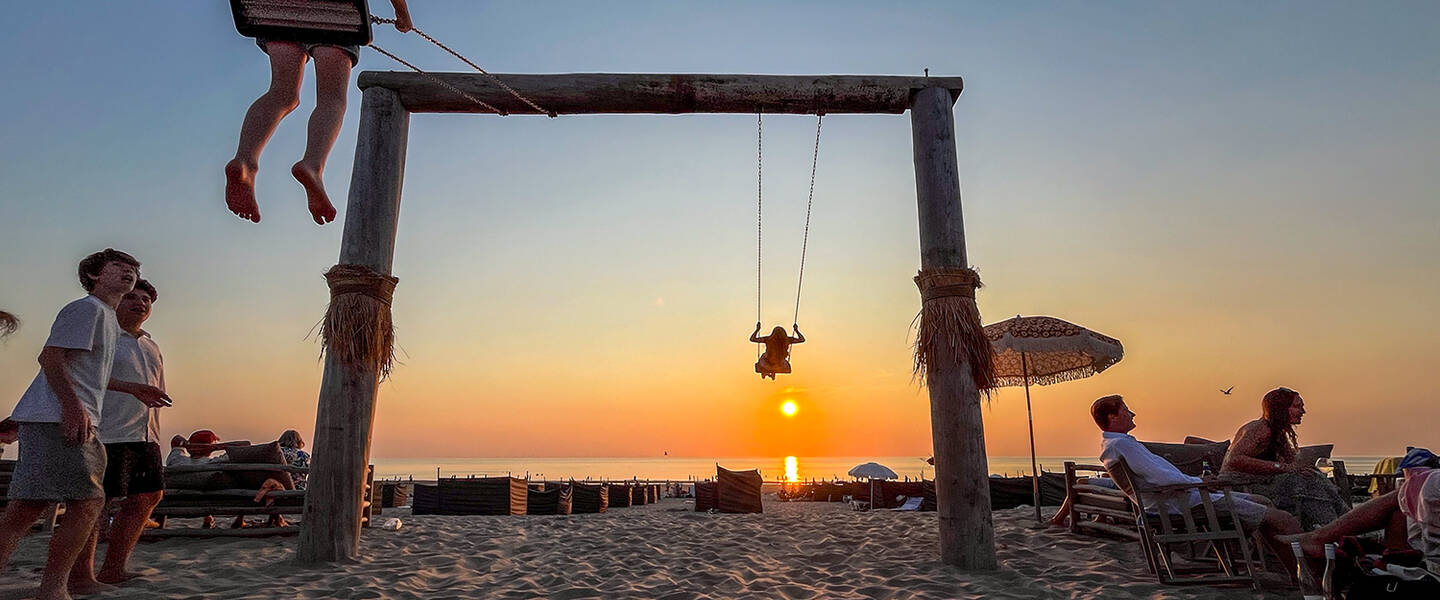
pixel 1030 419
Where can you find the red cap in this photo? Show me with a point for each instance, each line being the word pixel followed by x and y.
pixel 203 436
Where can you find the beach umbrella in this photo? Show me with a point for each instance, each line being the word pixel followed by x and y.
pixel 1045 350
pixel 872 471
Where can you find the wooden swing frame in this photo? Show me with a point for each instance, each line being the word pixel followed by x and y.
pixel 347 397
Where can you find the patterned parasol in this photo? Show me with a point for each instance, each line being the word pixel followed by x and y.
pixel 1046 350
pixel 1054 351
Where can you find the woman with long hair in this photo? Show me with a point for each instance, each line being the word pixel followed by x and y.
pixel 776 358
pixel 1268 447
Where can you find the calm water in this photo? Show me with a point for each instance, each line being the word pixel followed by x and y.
pixel 687 468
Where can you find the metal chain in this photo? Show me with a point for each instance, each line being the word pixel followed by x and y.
pixel 759 206
pixel 442 82
pixel 805 241
pixel 517 95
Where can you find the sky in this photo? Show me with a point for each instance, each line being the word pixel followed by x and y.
pixel 1244 194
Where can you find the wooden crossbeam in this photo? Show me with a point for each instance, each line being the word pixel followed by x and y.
pixel 618 93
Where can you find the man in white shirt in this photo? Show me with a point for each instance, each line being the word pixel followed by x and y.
pixel 61 459
pixel 1150 471
pixel 130 430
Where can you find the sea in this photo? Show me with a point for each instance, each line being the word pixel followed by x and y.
pixel 781 468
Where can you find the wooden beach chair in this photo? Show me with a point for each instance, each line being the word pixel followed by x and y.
pixel 1095 509
pixel 1211 525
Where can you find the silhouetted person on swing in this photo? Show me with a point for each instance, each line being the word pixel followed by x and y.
pixel 776 358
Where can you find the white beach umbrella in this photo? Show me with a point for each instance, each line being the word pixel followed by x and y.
pixel 872 471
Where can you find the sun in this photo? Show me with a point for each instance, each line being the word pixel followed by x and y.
pixel 789 408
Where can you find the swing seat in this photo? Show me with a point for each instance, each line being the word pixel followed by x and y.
pixel 339 22
pixel 765 368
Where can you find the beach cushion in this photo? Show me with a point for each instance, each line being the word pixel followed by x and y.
pixel 213 480
pixel 267 454
pixel 1191 458
pixel 1307 455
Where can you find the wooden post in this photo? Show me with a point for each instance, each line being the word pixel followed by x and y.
pixel 962 486
pixel 341 449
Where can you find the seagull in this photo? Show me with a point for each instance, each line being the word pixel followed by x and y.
pixel 1226 391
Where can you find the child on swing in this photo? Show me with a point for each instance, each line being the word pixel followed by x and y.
pixel 287 72
pixel 776 358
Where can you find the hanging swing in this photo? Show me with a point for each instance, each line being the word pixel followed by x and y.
pixel 339 22
pixel 772 352
pixel 345 23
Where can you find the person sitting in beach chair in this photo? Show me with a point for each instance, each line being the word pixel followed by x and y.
pixel 1150 471
pixel 1267 447
pixel 776 358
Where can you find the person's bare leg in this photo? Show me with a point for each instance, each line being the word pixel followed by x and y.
pixel 332 76
pixel 124 533
pixel 66 544
pixel 1276 525
pixel 287 70
pixel 19 516
pixel 1374 515
pixel 82 574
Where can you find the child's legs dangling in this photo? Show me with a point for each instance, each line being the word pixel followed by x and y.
pixel 287 70
pixel 332 76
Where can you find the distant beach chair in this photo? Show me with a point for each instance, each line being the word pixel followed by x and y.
pixel 553 501
pixel 1176 530
pixel 911 504
pixel 738 491
pixel 588 499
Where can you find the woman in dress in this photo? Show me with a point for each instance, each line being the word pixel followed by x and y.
pixel 1268 447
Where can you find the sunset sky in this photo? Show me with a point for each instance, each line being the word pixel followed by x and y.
pixel 1245 194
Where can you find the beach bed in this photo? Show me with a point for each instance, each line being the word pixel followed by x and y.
pixel 228 490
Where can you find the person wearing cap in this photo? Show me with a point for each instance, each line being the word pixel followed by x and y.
pixel 196 450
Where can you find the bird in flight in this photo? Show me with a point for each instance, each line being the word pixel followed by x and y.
pixel 1226 391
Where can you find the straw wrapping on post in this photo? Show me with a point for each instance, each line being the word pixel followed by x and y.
pixel 949 324
pixel 357 330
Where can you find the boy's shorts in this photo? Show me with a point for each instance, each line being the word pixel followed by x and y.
pixel 352 51
pixel 133 468
pixel 49 470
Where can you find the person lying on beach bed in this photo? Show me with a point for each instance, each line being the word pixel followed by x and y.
pixel 776 358
pixel 1268 447
pixel 1150 471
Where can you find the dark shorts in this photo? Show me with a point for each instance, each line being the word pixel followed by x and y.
pixel 133 468
pixel 353 51
pixel 50 470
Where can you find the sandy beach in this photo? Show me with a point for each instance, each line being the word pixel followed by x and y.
pixel 664 550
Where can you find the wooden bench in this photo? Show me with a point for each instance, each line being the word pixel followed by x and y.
pixel 187 503
pixel 7 472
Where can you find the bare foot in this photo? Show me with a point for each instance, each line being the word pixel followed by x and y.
pixel 1309 544
pixel 320 208
pixel 240 190
pixel 116 578
pixel 85 588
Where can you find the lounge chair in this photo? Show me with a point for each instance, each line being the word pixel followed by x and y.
pixel 1212 525
pixel 231 493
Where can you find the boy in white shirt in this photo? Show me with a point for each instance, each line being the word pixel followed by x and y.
pixel 61 459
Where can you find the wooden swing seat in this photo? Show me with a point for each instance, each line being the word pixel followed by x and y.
pixel 764 368
pixel 339 22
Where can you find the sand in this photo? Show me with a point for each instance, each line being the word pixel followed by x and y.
pixel 664 550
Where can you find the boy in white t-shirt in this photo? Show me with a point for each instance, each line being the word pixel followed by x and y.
pixel 61 459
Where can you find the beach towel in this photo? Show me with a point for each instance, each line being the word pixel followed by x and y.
pixel 911 503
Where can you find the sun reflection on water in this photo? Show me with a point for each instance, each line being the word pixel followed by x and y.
pixel 792 469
